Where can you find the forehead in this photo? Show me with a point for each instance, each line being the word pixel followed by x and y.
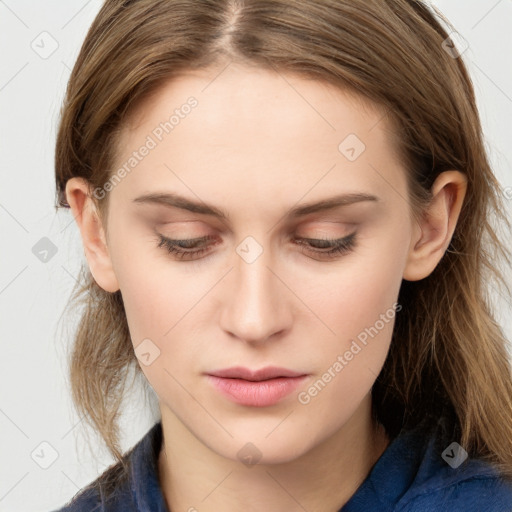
pixel 245 96
pixel 259 129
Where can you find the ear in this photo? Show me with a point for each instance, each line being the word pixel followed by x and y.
pixel 92 232
pixel 434 232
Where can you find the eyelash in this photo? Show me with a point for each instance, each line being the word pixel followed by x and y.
pixel 337 247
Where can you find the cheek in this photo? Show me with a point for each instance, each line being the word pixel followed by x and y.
pixel 361 289
pixel 359 305
pixel 155 291
pixel 159 305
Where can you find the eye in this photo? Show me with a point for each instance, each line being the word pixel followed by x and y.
pixel 327 248
pixel 185 249
pixel 194 248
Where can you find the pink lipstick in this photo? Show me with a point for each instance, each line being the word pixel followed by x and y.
pixel 256 388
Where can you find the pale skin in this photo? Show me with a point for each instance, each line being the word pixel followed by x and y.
pixel 255 148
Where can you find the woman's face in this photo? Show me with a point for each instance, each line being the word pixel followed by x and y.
pixel 268 160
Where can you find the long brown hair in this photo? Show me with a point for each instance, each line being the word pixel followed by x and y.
pixel 448 354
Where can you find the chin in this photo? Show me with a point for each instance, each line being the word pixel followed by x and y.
pixel 260 450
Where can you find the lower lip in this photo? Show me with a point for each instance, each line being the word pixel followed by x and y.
pixel 259 393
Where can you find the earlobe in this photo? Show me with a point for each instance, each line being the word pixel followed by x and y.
pixel 434 232
pixel 93 235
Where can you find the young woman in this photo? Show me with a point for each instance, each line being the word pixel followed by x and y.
pixel 288 217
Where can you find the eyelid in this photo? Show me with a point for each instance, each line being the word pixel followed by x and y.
pixel 336 247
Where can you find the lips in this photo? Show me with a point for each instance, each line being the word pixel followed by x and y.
pixel 256 388
pixel 267 373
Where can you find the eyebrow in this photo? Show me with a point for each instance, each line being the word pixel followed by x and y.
pixel 177 201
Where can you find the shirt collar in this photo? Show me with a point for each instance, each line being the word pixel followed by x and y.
pixel 145 486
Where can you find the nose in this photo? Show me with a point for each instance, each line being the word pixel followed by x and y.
pixel 256 302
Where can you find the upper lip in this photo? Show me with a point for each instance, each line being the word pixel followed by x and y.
pixel 269 372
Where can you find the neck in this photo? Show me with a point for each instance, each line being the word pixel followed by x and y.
pixel 192 476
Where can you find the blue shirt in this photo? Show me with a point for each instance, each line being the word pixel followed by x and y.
pixel 410 476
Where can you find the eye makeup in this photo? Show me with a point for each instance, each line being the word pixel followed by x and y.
pixel 195 248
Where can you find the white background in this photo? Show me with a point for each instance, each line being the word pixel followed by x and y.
pixel 34 398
